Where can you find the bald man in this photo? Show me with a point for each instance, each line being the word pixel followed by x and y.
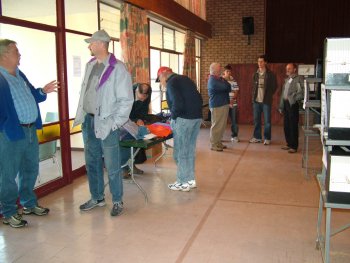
pixel 292 92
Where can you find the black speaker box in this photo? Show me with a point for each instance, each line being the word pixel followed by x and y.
pixel 248 25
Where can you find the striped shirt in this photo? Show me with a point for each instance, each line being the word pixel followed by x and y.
pixel 23 99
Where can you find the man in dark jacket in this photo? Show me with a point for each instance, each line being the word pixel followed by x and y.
pixel 185 104
pixel 264 86
pixel 19 148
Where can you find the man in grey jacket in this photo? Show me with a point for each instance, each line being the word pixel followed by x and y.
pixel 292 92
pixel 105 103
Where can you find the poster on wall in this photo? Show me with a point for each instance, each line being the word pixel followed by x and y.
pixel 77 66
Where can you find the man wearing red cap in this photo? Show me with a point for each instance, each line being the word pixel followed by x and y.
pixel 185 104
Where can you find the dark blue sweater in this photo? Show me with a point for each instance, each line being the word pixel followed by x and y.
pixel 183 98
pixel 218 90
pixel 9 122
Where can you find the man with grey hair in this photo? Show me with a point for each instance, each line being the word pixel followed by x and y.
pixel 19 148
pixel 218 89
pixel 105 103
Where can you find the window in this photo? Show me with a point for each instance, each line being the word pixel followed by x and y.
pixel 31 10
pixel 166 49
pixel 110 19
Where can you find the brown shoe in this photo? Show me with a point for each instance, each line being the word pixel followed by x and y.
pixel 216 148
pixel 126 174
pixel 137 170
pixel 286 147
pixel 292 150
pixel 223 146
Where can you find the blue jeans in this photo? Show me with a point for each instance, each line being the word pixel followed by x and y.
pixel 185 133
pixel 18 158
pixel 259 108
pixel 97 151
pixel 233 117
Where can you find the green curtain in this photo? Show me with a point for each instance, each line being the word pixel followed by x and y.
pixel 134 41
pixel 190 56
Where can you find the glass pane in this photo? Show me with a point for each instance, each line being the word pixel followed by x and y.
pixel 50 167
pixel 78 55
pixel 110 20
pixel 38 71
pixel 77 150
pixel 198 47
pixel 174 63
pixel 181 64
pixel 156 35
pixel 164 59
pixel 40 11
pixel 180 41
pixel 156 97
pixel 118 50
pixel 168 38
pixel 155 63
pixel 198 63
pixel 81 15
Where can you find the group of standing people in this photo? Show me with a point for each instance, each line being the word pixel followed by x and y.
pixel 107 101
pixel 223 92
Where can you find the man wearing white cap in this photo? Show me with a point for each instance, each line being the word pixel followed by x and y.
pixel 104 106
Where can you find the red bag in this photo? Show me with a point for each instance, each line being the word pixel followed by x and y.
pixel 160 129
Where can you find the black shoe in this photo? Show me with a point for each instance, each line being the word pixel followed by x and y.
pixel 117 209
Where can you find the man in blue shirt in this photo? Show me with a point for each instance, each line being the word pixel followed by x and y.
pixel 185 104
pixel 19 148
pixel 219 101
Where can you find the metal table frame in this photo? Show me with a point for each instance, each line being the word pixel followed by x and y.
pixel 323 240
pixel 135 146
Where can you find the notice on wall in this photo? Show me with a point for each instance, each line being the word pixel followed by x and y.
pixel 77 66
pixel 339 180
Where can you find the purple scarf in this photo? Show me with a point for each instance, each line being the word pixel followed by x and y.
pixel 112 61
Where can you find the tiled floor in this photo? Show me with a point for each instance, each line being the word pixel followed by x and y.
pixel 252 204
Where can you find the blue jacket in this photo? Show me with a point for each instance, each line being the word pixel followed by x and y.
pixel 218 90
pixel 9 122
pixel 183 98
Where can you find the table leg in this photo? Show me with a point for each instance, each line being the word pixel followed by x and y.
pixel 319 241
pixel 328 233
pixel 133 154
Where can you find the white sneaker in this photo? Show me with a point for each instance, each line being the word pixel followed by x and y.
pixel 267 142
pixel 254 140
pixel 192 184
pixel 234 139
pixel 179 187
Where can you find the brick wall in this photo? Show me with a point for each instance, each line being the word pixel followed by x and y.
pixel 228 44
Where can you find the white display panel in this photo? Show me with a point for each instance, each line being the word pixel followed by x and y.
pixel 339 115
pixel 339 180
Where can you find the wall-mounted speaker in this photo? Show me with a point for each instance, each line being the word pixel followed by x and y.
pixel 248 25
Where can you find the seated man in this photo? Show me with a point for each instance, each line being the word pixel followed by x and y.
pixel 140 108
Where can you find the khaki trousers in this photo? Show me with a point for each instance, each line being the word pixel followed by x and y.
pixel 218 124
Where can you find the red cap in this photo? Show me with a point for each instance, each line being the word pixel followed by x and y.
pixel 162 70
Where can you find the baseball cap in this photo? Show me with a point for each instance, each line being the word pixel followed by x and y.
pixel 100 35
pixel 162 70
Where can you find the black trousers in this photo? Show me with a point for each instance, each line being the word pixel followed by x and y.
pixel 291 122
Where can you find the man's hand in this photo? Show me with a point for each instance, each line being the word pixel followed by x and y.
pixel 51 87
